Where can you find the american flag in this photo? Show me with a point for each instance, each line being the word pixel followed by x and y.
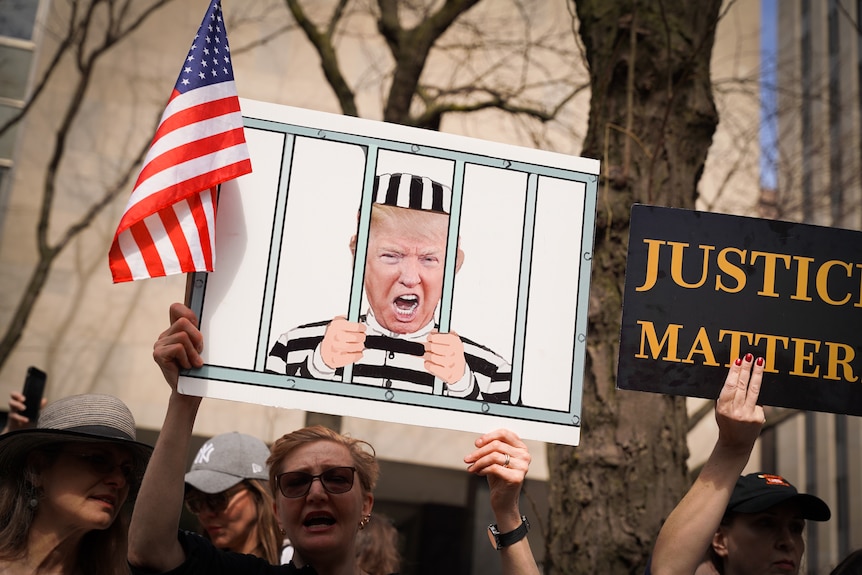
pixel 169 223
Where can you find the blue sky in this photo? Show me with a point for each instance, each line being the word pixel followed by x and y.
pixel 768 95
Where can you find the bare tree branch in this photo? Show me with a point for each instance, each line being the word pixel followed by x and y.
pixel 86 58
pixel 322 42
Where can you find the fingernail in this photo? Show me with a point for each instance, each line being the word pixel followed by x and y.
pixel 748 357
pixel 738 361
pixel 759 361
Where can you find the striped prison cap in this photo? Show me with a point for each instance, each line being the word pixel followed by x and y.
pixel 412 192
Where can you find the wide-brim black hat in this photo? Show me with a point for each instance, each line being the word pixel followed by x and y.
pixel 88 418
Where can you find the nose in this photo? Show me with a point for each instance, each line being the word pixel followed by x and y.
pixel 409 272
pixel 316 490
pixel 786 539
pixel 116 477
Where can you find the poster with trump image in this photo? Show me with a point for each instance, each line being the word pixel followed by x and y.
pixel 373 270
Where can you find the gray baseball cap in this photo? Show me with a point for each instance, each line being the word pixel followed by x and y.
pixel 227 459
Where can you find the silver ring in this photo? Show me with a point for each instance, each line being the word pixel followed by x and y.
pixel 506 463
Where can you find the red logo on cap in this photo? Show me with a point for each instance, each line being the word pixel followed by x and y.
pixel 774 480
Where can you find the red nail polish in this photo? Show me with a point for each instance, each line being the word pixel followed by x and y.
pixel 738 361
pixel 759 361
pixel 748 357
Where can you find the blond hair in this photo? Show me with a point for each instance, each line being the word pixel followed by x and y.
pixel 362 453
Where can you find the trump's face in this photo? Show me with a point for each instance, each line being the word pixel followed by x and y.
pixel 404 268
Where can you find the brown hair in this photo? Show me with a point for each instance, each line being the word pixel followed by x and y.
pixel 268 531
pixel 362 453
pixel 377 546
pixel 100 551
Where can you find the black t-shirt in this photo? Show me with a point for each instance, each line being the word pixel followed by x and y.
pixel 203 558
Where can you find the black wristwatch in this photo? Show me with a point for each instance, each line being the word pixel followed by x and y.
pixel 500 540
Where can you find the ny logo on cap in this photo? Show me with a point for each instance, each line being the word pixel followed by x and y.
pixel 204 453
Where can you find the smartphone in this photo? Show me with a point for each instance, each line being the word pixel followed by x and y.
pixel 34 388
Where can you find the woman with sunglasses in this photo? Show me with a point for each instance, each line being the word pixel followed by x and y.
pixel 63 485
pixel 227 489
pixel 322 481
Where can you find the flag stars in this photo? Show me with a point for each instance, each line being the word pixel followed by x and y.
pixel 185 81
pixel 204 63
pixel 190 58
pixel 206 52
pixel 215 73
pixel 202 75
pixel 208 40
pixel 187 70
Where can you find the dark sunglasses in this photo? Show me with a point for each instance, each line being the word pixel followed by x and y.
pixel 104 464
pixel 293 484
pixel 196 501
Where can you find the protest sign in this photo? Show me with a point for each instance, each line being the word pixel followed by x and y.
pixel 703 289
pixel 297 248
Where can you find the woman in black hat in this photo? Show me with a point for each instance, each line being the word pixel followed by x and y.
pixel 751 525
pixel 63 485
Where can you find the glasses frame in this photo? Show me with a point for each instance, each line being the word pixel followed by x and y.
pixel 213 502
pixel 320 476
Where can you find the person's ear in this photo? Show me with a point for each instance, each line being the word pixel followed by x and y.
pixel 353 246
pixel 367 504
pixel 719 542
pixel 459 260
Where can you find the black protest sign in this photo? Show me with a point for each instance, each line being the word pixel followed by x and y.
pixel 702 289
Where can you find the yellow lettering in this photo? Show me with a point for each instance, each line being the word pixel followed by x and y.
pixel 701 345
pixel 769 260
pixel 730 269
pixel 802 279
pixel 676 258
pixel 771 342
pixel 833 349
pixel 652 264
pixel 801 357
pixel 649 336
pixel 823 280
pixel 735 342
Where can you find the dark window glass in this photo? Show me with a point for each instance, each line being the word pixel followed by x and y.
pixel 7 140
pixel 14 71
pixel 17 18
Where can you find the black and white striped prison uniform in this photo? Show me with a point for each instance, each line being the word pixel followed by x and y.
pixel 392 360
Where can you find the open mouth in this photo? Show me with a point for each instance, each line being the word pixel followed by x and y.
pixel 405 306
pixel 318 520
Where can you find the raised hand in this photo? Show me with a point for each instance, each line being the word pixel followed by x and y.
pixel 343 343
pixel 739 417
pixel 444 356
pixel 179 346
pixel 504 460
pixel 15 420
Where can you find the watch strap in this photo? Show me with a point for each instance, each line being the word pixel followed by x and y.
pixel 512 537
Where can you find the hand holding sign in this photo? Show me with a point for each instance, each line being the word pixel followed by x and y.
pixel 738 416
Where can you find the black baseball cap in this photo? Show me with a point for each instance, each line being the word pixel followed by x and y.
pixel 758 492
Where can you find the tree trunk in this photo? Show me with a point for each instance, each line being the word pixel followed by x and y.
pixel 652 118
